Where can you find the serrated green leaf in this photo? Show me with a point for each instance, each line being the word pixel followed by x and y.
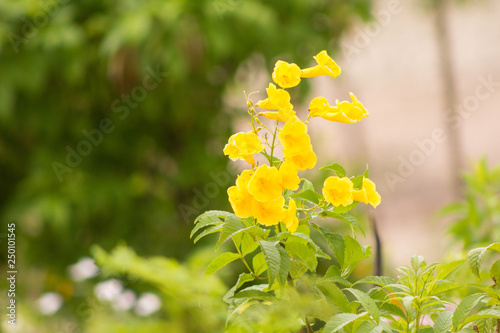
pixel 334 295
pixel 231 226
pixel 495 271
pixel 210 230
pixel 445 270
pixel 417 262
pixel 308 195
pixel 494 247
pixel 337 168
pixel 367 303
pixel 205 222
pixel 299 235
pixel 246 243
pixel 346 218
pixel 475 258
pixel 335 243
pixel 381 281
pixel 285 263
pixel 442 324
pixel 302 255
pixel 333 274
pixel 346 209
pixel 483 314
pixel 306 185
pixel 272 256
pixel 259 264
pixel 353 253
pixel 463 309
pixel 338 321
pixel 221 261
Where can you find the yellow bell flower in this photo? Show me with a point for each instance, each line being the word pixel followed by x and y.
pixel 343 112
pixel 243 145
pixel 326 66
pixel 241 201
pixel 277 99
pixel 269 212
pixel 338 191
pixel 302 160
pixel 291 220
pixel 286 75
pixel 265 184
pixel 243 179
pixel 289 178
pixel 367 194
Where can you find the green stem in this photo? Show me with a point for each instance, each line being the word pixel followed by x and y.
pixel 308 326
pixel 243 259
pixel 274 140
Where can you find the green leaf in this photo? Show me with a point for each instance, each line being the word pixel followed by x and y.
pixel 285 263
pixel 334 295
pixel 445 270
pixel 475 258
pixel 487 313
pixel 333 274
pixel 494 247
pixel 246 242
pixel 205 222
pixel 381 281
pixel 342 209
pixel 340 320
pixel 259 264
pixel 335 243
pixel 337 168
pixel 302 255
pixel 221 261
pixel 417 262
pixel 353 253
pixel 273 259
pixel 495 271
pixel 231 226
pixel 367 302
pixel 308 195
pixel 299 235
pixel 463 309
pixel 442 324
pixel 210 230
pixel 306 185
pixel 346 218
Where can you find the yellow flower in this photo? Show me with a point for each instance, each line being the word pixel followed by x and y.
pixel 286 75
pixel 243 179
pixel 241 201
pixel 343 112
pixel 318 107
pixel 289 177
pixel 302 160
pixel 293 135
pixel 296 144
pixel 367 194
pixel 243 145
pixel 265 183
pixel 326 66
pixel 338 191
pixel 291 220
pixel 269 212
pixel 277 99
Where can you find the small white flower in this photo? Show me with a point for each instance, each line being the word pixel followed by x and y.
pixel 84 269
pixel 147 304
pixel 108 290
pixel 124 301
pixel 49 303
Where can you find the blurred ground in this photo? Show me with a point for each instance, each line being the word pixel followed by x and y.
pixel 394 71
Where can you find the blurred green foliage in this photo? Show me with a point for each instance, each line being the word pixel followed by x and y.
pixel 112 115
pixel 68 66
pixel 475 220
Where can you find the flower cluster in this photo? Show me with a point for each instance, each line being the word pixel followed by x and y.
pixel 259 192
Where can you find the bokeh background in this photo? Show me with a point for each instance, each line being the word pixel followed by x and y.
pixel 114 114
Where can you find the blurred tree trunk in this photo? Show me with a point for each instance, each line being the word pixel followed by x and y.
pixel 441 8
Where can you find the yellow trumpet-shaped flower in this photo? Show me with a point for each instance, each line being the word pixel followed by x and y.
pixel 243 145
pixel 239 197
pixel 289 178
pixel 296 144
pixel 326 66
pixel 286 75
pixel 343 112
pixel 277 99
pixel 291 220
pixel 269 212
pixel 367 194
pixel 338 191
pixel 265 183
